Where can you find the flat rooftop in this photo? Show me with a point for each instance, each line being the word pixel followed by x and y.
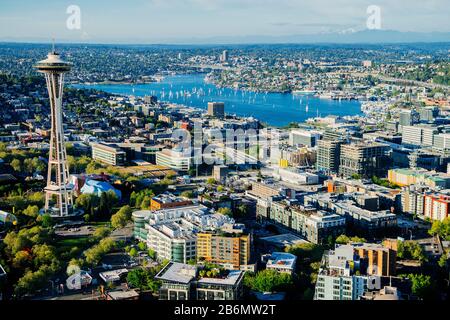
pixel 177 272
pixel 286 239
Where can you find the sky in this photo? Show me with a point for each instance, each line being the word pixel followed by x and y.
pixel 166 21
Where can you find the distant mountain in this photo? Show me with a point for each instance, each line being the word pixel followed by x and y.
pixel 347 37
pixel 364 36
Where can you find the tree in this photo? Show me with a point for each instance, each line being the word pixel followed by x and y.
pixel 187 194
pixel 211 181
pixel 441 228
pixel 410 250
pixel 121 218
pixel 343 239
pixel 96 253
pixel 225 211
pixel 31 211
pixel 133 252
pixel 268 281
pixel 46 220
pixel 16 165
pixel 101 232
pixel 422 286
pixel 142 246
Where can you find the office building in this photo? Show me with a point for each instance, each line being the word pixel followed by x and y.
pixel 304 137
pixel 419 135
pixel 407 177
pixel 172 233
pixel 216 109
pixel 231 250
pixel 442 142
pixel 224 56
pixel 365 159
pixel 428 114
pixel 175 159
pixel 328 156
pixel 109 154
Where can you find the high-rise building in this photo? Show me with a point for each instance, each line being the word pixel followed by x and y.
pixel 224 56
pixel 365 159
pixel 58 187
pixel 216 109
pixel 328 155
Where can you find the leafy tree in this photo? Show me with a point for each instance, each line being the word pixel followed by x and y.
pixel 225 211
pixel 46 220
pixel 96 253
pixel 122 217
pixel 31 211
pixel 133 252
pixel 142 246
pixel 343 239
pixel 410 250
pixel 268 281
pixel 187 194
pixel 441 228
pixel 101 232
pixel 422 286
pixel 16 164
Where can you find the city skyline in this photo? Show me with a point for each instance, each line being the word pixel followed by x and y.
pixel 218 21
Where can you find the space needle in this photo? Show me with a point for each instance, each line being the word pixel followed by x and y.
pixel 58 192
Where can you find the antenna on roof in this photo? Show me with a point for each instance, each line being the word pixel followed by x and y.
pixel 53 46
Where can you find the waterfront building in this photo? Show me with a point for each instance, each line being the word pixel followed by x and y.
pixel 216 109
pixel 109 154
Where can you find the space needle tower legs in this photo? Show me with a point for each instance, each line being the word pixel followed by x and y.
pixel 58 192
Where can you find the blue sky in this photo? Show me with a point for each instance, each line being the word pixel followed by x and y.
pixel 166 20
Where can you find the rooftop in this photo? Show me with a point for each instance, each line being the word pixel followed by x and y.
pixel 177 272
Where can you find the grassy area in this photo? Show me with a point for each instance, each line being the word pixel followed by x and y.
pixel 67 244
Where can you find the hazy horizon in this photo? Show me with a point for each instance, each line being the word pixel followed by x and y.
pixel 213 21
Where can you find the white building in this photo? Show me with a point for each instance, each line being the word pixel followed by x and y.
pixel 338 279
pixel 176 159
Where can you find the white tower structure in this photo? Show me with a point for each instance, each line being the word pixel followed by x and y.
pixel 58 193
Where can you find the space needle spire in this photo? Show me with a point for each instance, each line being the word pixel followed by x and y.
pixel 58 192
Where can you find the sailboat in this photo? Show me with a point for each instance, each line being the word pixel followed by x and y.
pixel 306 109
